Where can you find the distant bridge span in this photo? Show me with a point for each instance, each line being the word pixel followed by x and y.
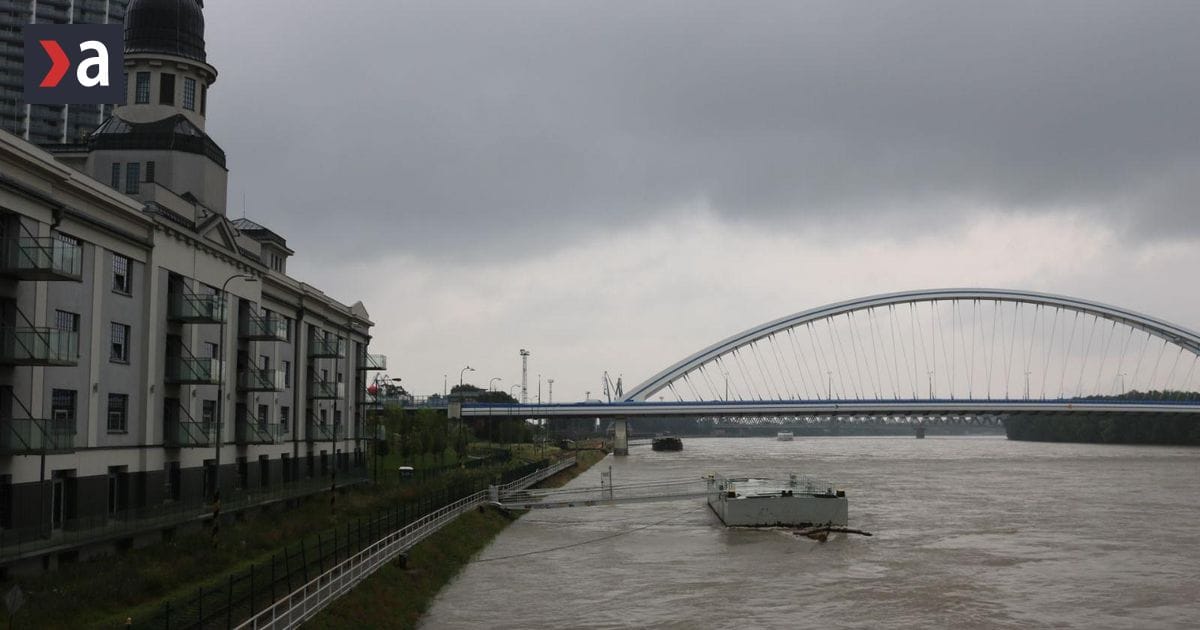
pixel 930 353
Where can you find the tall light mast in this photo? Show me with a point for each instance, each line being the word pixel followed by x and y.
pixel 524 376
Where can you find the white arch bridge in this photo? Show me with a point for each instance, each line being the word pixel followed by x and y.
pixel 932 354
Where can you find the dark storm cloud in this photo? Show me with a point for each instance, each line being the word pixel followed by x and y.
pixel 468 127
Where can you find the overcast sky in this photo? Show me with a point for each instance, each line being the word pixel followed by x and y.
pixel 614 185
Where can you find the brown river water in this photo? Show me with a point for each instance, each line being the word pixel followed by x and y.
pixel 969 532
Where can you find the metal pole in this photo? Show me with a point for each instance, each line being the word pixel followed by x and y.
pixel 221 386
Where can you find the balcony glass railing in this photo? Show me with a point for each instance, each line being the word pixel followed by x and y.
pixel 23 435
pixel 322 347
pixel 250 431
pixel 44 258
pixel 259 327
pixel 196 308
pixel 38 346
pixel 193 370
pixel 325 431
pixel 372 362
pixel 181 431
pixel 255 379
pixel 318 388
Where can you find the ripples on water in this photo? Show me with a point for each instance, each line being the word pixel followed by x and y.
pixel 969 532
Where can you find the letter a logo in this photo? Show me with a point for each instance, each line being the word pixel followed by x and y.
pixel 93 51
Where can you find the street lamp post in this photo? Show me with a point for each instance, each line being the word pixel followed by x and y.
pixel 460 377
pixel 494 379
pixel 512 390
pixel 221 390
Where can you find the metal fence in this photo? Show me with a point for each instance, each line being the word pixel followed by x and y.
pixel 303 603
pixel 249 592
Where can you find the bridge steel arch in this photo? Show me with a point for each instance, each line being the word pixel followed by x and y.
pixel 1166 331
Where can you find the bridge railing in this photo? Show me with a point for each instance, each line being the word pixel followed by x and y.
pixel 303 603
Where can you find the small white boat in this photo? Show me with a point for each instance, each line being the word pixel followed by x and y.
pixel 784 436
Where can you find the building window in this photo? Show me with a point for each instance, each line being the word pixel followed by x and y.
pixel 287 373
pixel 285 418
pixel 141 95
pixel 116 175
pixel 208 413
pixel 212 349
pixel 120 343
pixel 62 406
pixel 66 321
pixel 121 280
pixel 265 361
pixel 133 178
pixel 189 93
pixel 264 414
pixel 150 172
pixel 166 89
pixel 65 239
pixel 118 413
pixel 287 321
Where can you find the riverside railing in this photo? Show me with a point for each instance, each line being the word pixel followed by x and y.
pixel 303 603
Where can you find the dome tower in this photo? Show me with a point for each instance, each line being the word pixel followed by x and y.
pixel 166 67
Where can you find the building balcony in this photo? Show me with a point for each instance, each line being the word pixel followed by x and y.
pixel 41 258
pixel 255 326
pixel 372 362
pixel 193 371
pixel 256 379
pixel 195 308
pixel 318 388
pixel 24 436
pixel 250 431
pixel 181 430
pixel 325 347
pixel 38 346
pixel 324 431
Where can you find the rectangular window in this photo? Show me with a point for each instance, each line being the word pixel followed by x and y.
pixel 133 178
pixel 116 175
pixel 65 238
pixel 203 99
pixel 287 373
pixel 285 418
pixel 265 361
pixel 62 407
pixel 118 413
pixel 150 172
pixel 121 282
pixel 287 321
pixel 208 413
pixel 141 95
pixel 263 415
pixel 120 343
pixel 166 89
pixel 66 321
pixel 189 93
pixel 212 348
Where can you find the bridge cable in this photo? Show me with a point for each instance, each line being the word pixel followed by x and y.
pixel 791 333
pixel 916 313
pixel 1087 348
pixel 876 350
pixel 895 351
pixel 1062 378
pixel 1171 374
pixel 688 381
pixel 841 355
pixel 1012 352
pixel 1049 351
pixel 1037 309
pixel 1153 372
pixel 838 352
pixel 764 373
pixel 946 363
pixel 992 348
pixel 1187 381
pixel 1121 362
pixel 1138 366
pixel 737 357
pixel 971 358
pixel 784 371
pixel 1104 357
pixel 822 365
pixel 859 349
pixel 852 355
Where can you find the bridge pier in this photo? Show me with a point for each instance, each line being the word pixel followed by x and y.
pixel 620 436
pixel 919 430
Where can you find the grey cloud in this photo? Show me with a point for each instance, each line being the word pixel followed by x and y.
pixel 480 128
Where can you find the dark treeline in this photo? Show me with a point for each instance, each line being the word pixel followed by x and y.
pixel 1179 429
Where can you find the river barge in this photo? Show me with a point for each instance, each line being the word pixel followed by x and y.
pixel 667 443
pixel 758 502
pixel 784 436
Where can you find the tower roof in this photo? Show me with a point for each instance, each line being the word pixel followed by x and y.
pixel 172 27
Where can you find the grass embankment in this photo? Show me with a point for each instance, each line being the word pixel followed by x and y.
pixel 396 598
pixel 102 593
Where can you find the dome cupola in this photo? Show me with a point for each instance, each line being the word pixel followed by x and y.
pixel 170 27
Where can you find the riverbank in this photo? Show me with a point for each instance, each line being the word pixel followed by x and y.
pixel 396 597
